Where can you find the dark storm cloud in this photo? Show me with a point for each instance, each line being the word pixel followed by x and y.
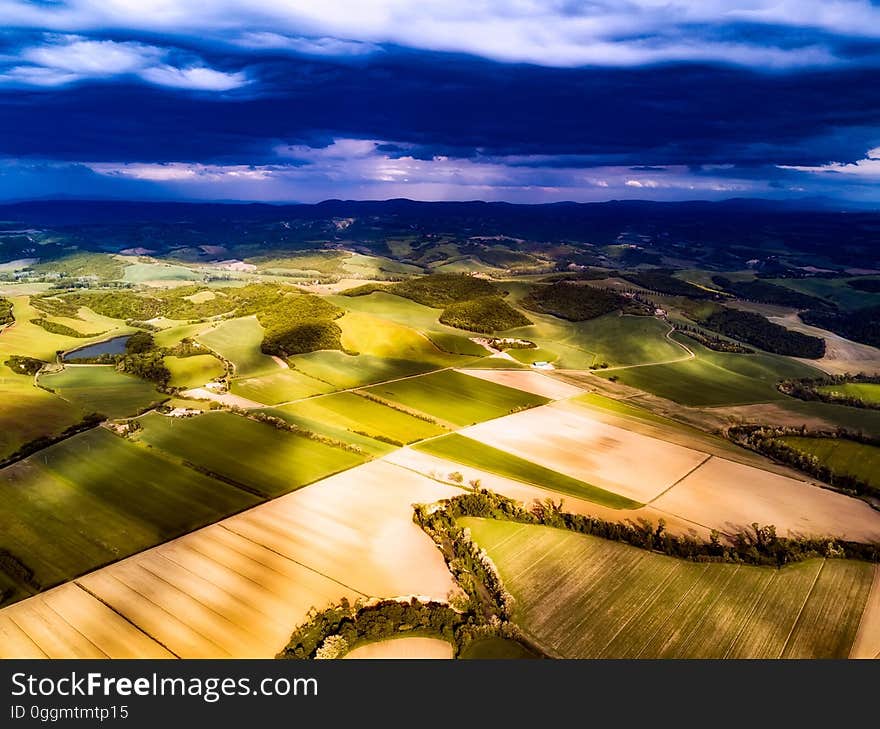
pixel 697 97
pixel 430 105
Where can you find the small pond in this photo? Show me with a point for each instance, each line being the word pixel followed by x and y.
pixel 108 346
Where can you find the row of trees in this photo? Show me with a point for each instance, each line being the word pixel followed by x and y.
pixel 760 545
pixel 808 389
pixel 88 422
pixel 768 293
pixel 760 332
pixel 861 325
pixel 766 440
pixel 713 342
pixel 332 632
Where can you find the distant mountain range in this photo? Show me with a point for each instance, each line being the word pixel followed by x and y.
pixel 68 211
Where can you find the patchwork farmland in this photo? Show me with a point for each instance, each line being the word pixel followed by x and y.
pixel 237 588
pixel 266 429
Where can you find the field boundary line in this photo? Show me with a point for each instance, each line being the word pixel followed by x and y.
pixel 358 387
pixel 156 605
pixel 74 628
pixel 124 617
pixel 192 596
pixel 797 620
pixel 22 630
pixel 291 559
pixel 675 483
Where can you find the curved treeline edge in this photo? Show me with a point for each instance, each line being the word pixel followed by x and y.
pixel 760 546
pixel 757 330
pixel 294 321
pixel 765 440
pixel 663 282
pixel 808 389
pixel 861 325
pixel 468 302
pixel 576 302
pixel 768 293
pixel 6 316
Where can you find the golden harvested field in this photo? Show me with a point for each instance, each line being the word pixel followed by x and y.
pixel 573 443
pixel 729 496
pixel 527 494
pixel 239 587
pixel 528 381
pixel 68 622
pixel 404 648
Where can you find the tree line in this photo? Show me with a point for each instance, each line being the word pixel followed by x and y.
pixel 808 389
pixel 766 440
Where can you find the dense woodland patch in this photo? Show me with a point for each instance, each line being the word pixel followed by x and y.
pixel 6 316
pixel 759 331
pixel 665 283
pixel 868 285
pixel 768 293
pixel 24 365
pixel 486 314
pixel 442 289
pixel 862 325
pixel 573 302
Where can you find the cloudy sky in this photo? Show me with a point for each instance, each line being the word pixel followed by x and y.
pixel 520 100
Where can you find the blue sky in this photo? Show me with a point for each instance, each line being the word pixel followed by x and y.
pixel 525 100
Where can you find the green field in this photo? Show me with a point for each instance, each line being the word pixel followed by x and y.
pixel 28 412
pixel 868 392
pixel 176 332
pixel 835 290
pixel 841 456
pixel 865 420
pixel 145 272
pixel 96 498
pixel 613 339
pixel 585 597
pixel 370 446
pixel 31 340
pixel 344 371
pixel 532 354
pixel 103 389
pixel 496 363
pixel 194 371
pixel 625 409
pixel 469 452
pixel 367 334
pixel 279 386
pixel 456 398
pixel 360 415
pixel 495 648
pixel 255 455
pixel 456 344
pixel 715 378
pixel 238 340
